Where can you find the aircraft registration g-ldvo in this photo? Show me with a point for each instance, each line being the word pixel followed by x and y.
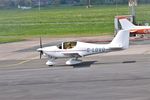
pixel 76 49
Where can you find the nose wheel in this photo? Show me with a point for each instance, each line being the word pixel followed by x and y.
pixel 50 62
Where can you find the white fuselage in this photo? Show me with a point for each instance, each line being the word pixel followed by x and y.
pixel 83 49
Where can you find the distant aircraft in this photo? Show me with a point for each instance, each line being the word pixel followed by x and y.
pixel 75 50
pixel 127 25
pixel 24 7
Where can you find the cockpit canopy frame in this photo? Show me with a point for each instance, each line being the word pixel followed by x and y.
pixel 67 45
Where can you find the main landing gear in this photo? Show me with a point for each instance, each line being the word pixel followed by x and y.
pixel 73 61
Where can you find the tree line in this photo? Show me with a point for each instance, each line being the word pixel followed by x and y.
pixel 34 3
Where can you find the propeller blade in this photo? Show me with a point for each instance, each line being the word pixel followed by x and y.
pixel 41 46
pixel 41 53
pixel 41 43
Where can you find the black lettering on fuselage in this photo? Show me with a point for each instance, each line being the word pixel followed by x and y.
pixel 96 50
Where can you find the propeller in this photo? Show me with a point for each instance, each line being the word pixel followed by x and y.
pixel 40 49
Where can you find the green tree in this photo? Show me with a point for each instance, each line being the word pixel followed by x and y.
pixel 55 2
pixel 25 2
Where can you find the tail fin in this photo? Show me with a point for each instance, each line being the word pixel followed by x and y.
pixel 121 40
pixel 126 24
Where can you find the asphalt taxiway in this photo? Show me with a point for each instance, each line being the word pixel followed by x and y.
pixel 123 75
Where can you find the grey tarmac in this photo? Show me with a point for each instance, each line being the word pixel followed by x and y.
pixel 123 75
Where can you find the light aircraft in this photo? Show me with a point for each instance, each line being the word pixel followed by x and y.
pixel 127 25
pixel 75 50
pixel 24 7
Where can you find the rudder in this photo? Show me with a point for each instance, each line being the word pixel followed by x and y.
pixel 121 40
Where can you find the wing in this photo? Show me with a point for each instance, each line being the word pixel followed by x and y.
pixel 133 30
pixel 70 54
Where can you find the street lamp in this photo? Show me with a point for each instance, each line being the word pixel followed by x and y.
pixel 132 5
pixel 39 5
pixel 88 3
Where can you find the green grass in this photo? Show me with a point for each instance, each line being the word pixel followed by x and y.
pixel 10 39
pixel 64 21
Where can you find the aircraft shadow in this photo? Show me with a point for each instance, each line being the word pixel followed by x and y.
pixel 123 62
pixel 84 64
pixel 89 63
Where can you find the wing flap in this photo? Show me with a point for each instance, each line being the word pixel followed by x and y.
pixel 70 54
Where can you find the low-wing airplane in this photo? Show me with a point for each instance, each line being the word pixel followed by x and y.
pixel 127 25
pixel 75 50
pixel 24 7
